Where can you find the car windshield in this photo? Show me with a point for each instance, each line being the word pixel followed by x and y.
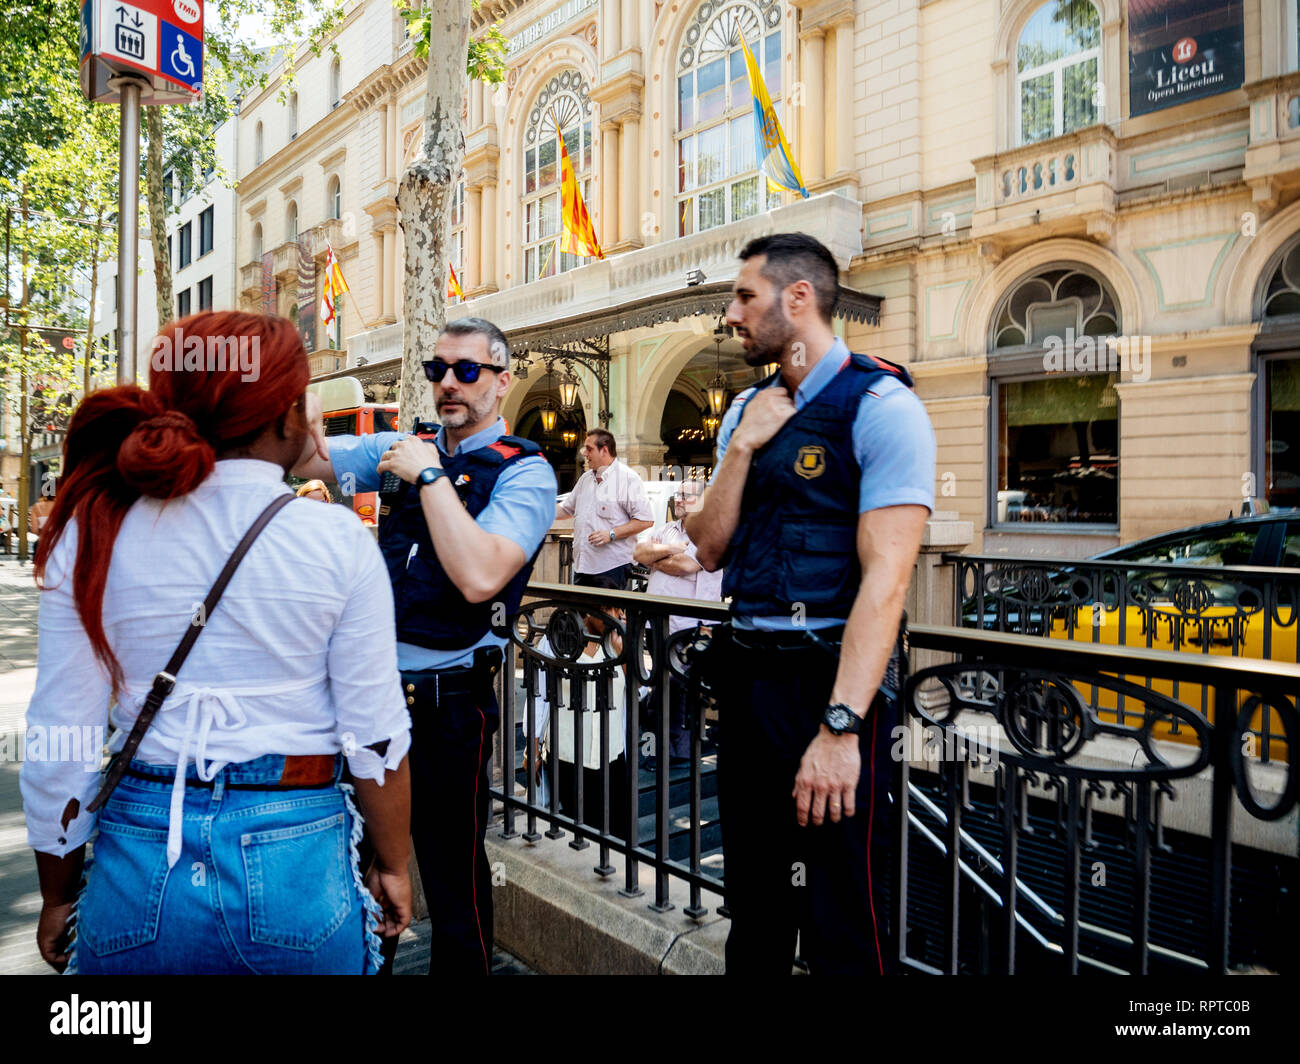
pixel 1219 547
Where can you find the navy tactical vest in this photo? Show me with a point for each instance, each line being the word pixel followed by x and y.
pixel 431 611
pixel 796 540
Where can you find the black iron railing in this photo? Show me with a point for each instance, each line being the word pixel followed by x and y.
pixel 1035 829
pixel 1235 611
pixel 576 676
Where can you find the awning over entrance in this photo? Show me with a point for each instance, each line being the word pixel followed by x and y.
pixel 586 336
pixel 710 299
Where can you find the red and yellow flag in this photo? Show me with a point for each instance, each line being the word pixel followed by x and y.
pixel 334 286
pixel 577 235
pixel 453 285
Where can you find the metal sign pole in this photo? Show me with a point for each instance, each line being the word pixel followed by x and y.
pixel 128 225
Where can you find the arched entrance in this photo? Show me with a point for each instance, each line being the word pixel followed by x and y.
pixel 562 445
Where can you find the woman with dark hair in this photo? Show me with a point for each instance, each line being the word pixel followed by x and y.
pixel 230 842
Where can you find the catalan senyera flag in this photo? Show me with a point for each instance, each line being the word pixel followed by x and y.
pixel 453 285
pixel 577 236
pixel 334 286
pixel 776 158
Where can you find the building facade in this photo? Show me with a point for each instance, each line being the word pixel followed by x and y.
pixel 1074 220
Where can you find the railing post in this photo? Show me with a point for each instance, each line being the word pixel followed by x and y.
pixel 508 741
pixel 1221 740
pixel 663 762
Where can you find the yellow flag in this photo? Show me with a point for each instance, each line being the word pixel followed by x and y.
pixel 577 236
pixel 453 285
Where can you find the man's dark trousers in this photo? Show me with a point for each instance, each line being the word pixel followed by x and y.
pixel 451 744
pixel 824 881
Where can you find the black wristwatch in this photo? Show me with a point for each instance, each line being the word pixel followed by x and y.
pixel 841 720
pixel 429 476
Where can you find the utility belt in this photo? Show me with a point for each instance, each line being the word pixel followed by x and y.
pixel 764 648
pixel 429 686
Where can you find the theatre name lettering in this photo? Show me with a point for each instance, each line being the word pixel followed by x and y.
pixel 1166 70
pixel 1194 77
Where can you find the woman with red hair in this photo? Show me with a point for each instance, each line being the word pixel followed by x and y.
pixel 230 842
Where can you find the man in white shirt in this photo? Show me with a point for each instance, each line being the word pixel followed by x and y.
pixel 675 572
pixel 609 506
pixel 8 518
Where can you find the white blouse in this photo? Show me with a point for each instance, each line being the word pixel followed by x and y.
pixel 592 722
pixel 299 656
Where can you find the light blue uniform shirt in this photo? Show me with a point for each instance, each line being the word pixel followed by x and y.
pixel 522 508
pixel 892 441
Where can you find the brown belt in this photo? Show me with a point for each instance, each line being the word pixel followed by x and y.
pixel 301 771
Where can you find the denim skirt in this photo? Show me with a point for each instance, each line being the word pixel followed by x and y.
pixel 267 881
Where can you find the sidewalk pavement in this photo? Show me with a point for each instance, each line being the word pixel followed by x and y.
pixel 20 898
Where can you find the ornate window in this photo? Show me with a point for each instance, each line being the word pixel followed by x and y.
pixel 717 170
pixel 1056 411
pixel 456 232
pixel 1052 302
pixel 561 109
pixel 334 197
pixel 1282 297
pixel 336 84
pixel 1280 382
pixel 257 241
pixel 1058 58
pixel 291 222
pixel 293 116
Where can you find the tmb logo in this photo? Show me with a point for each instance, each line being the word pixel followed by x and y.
pixel 186 10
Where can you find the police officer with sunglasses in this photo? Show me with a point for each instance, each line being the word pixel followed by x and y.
pixel 463 512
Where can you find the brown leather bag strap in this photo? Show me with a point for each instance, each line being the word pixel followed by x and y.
pixel 165 682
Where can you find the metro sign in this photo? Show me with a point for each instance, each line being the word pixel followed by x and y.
pixel 160 39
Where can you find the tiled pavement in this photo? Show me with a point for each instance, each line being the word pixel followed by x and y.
pixel 20 899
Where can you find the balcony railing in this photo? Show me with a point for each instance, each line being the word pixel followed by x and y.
pixel 1066 184
pixel 1033 830
pixel 1273 154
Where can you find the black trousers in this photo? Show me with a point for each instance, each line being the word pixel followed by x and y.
pixel 451 745
pixel 619 798
pixel 824 883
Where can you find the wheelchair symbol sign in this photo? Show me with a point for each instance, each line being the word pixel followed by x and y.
pixel 180 56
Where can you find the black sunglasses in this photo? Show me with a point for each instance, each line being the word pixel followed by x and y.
pixel 466 372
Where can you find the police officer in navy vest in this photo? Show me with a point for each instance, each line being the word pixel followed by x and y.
pixel 460 524
pixel 823 484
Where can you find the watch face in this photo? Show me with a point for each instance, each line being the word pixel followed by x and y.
pixel 839 719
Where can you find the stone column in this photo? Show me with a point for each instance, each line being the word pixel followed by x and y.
pixel 629 211
pixel 627 38
pixel 390 256
pixel 931 597
pixel 379 275
pixel 843 97
pixel 394 147
pixel 489 263
pixel 612 35
pixel 608 232
pixel 384 161
pixel 475 105
pixel 399 270
pixel 473 237
pixel 812 119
